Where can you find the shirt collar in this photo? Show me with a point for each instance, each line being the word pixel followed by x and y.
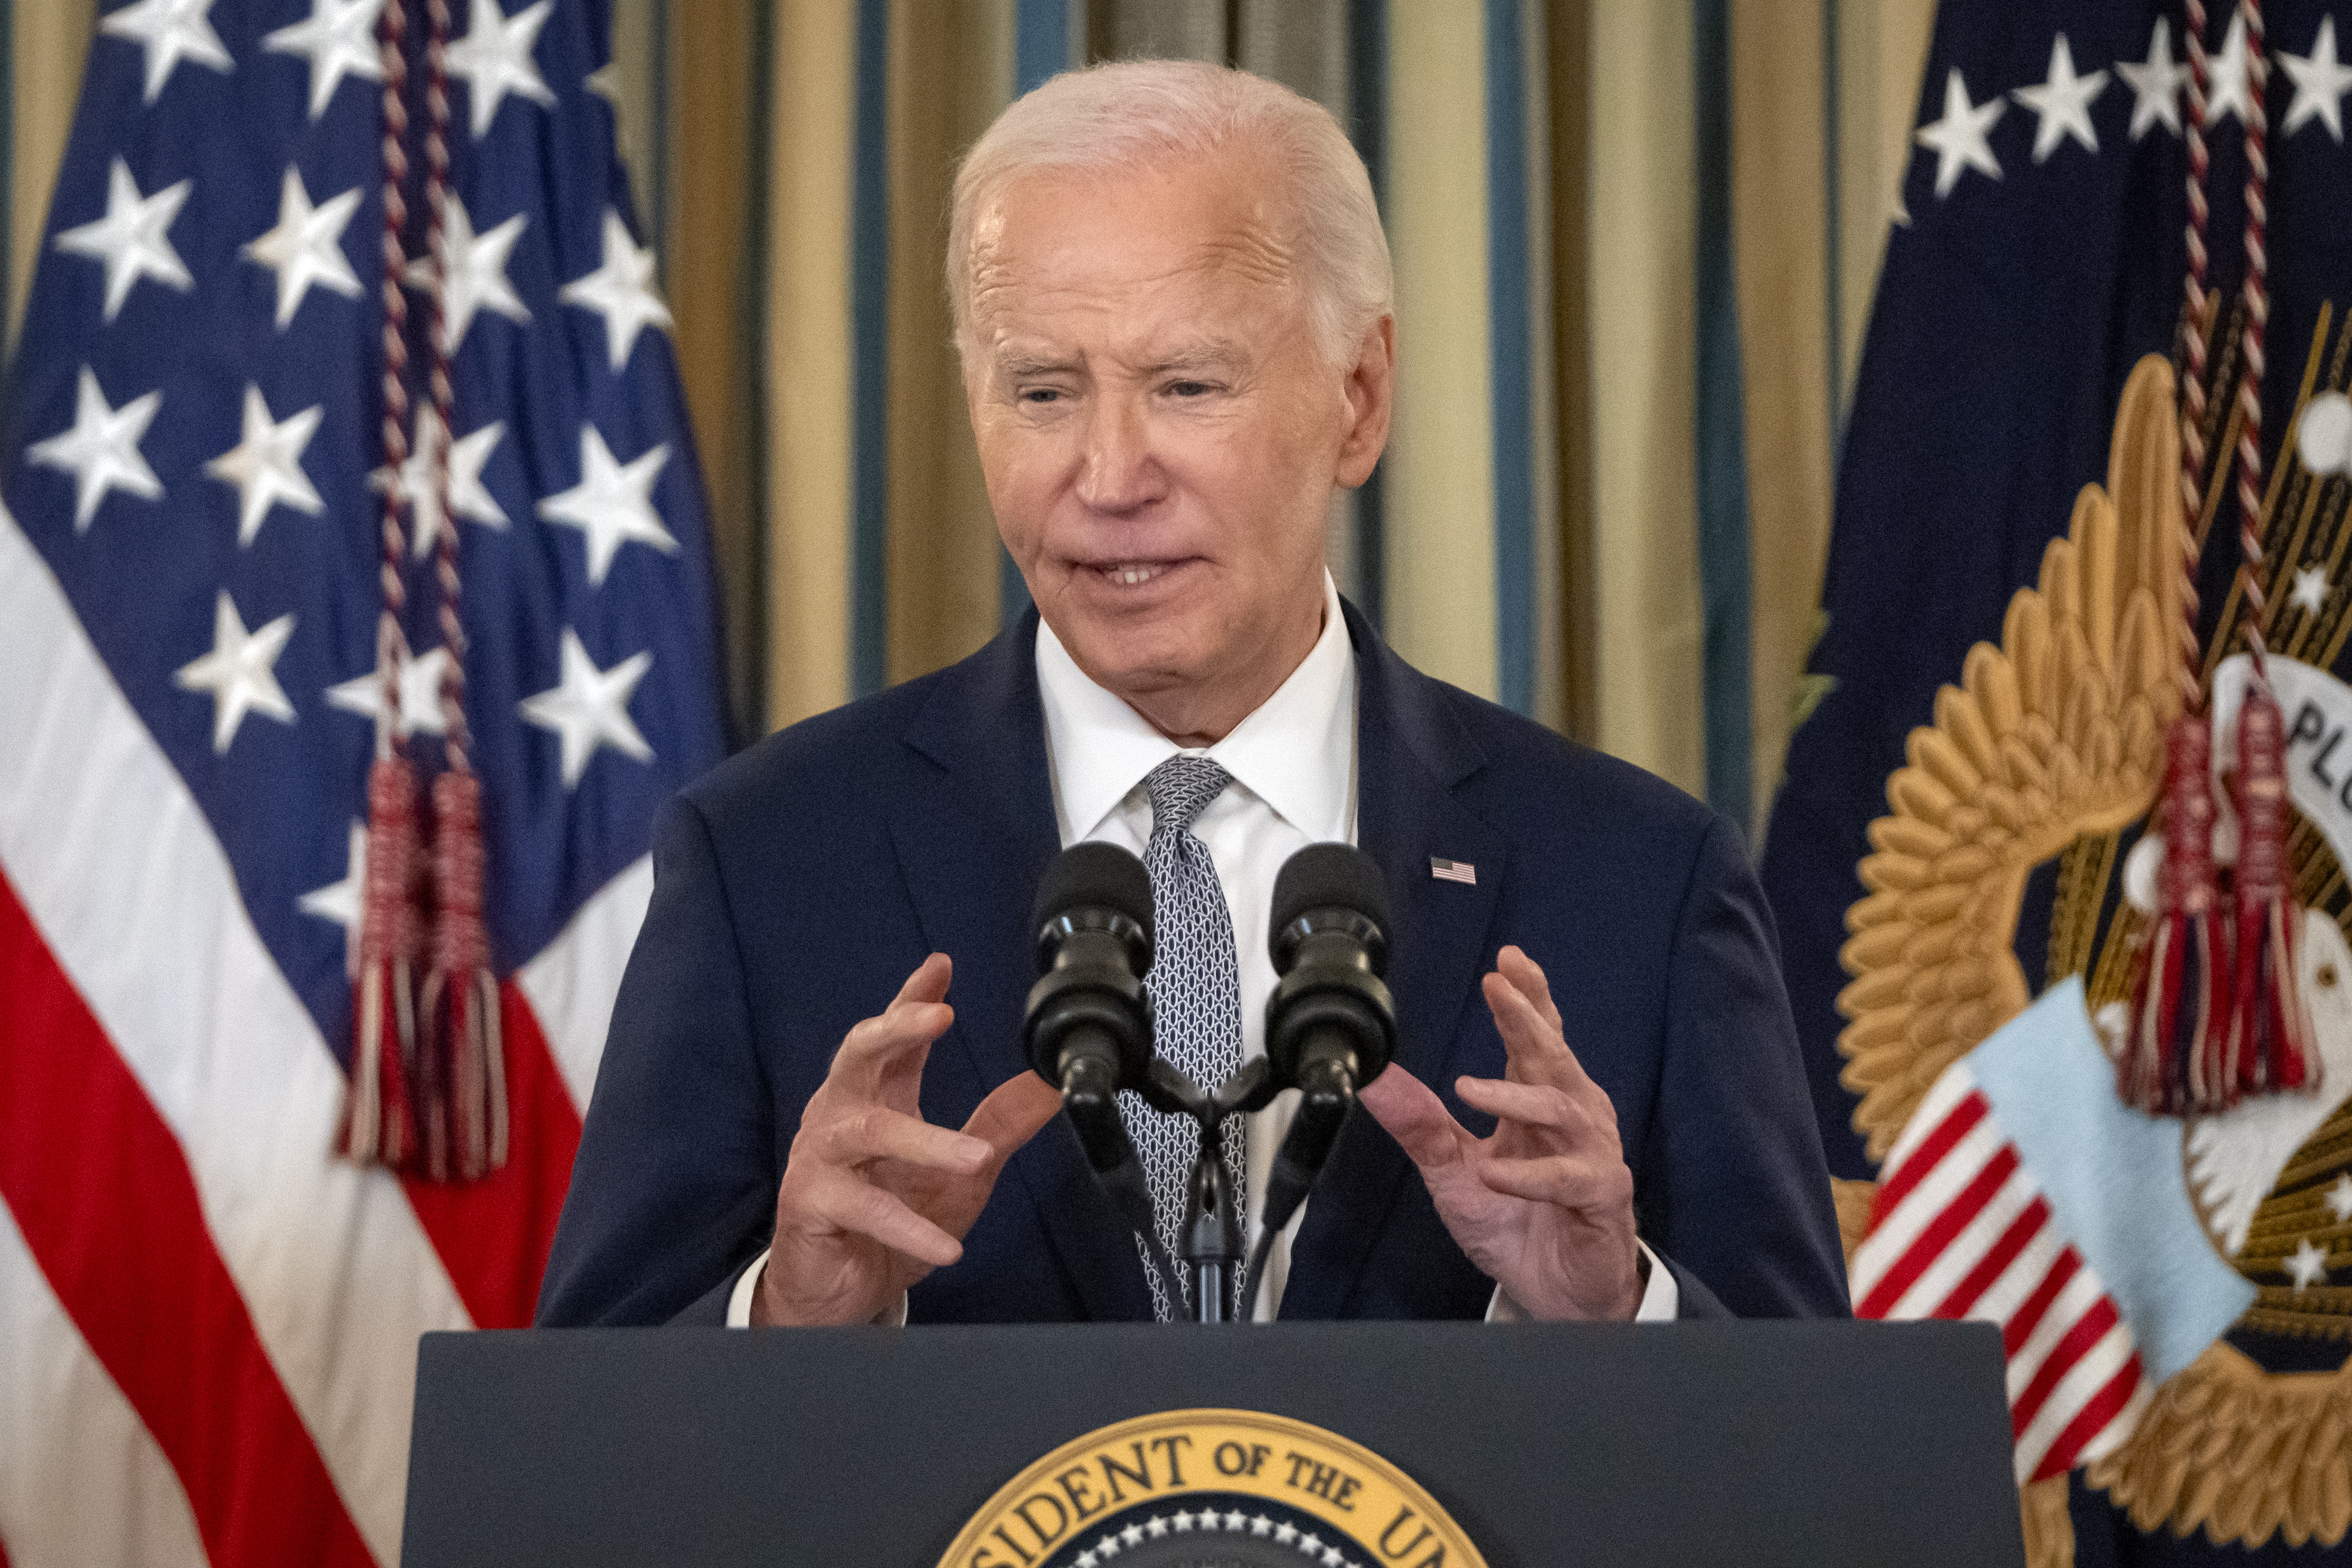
pixel 1296 751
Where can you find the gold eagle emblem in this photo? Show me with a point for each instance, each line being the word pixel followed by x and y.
pixel 2048 754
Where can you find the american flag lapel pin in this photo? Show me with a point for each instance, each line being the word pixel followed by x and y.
pixel 1460 871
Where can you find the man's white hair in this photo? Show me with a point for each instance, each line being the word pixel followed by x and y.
pixel 1133 114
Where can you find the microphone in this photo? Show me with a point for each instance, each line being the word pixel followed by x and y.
pixel 1331 1024
pixel 1089 1023
pixel 1088 1030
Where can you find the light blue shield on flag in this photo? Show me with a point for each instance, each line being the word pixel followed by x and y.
pixel 2113 1176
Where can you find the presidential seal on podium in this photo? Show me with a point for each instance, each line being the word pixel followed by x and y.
pixel 1212 1488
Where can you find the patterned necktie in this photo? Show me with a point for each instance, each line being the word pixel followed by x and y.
pixel 1196 1000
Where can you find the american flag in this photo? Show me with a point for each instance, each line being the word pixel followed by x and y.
pixel 2021 1193
pixel 208 1322
pixel 1453 870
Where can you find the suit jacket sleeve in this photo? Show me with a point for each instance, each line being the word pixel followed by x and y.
pixel 675 1187
pixel 1692 1300
pixel 1734 1187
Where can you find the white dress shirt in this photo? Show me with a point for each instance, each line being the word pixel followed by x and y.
pixel 1293 763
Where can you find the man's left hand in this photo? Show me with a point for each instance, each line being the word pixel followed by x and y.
pixel 1545 1207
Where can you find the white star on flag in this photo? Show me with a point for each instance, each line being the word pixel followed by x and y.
pixel 2339 1199
pixel 478 271
pixel 2310 595
pixel 340 40
pixel 468 497
pixel 2155 84
pixel 588 708
pixel 2064 103
pixel 340 901
pixel 2320 84
pixel 266 466
pixel 2228 94
pixel 101 449
pixel 612 505
pixel 171 31
pixel 2308 1267
pixel 617 290
pixel 131 238
pixel 307 246
pixel 240 671
pixel 1958 137
pixel 420 695
pixel 494 56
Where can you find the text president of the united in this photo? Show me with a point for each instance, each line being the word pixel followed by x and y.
pixel 1172 299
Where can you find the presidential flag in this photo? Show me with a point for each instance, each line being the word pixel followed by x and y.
pixel 2038 257
pixel 2044 249
pixel 208 1320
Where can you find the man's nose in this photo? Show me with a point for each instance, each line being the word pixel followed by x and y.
pixel 1121 473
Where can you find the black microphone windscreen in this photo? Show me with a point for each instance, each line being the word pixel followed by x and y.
pixel 1095 876
pixel 1329 876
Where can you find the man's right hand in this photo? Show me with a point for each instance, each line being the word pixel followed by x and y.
pixel 874 1197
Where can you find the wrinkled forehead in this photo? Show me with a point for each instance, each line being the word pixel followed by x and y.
pixel 1056 240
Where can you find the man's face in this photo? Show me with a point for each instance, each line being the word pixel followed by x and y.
pixel 1160 435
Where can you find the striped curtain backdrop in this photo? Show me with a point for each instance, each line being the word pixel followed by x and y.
pixel 1635 249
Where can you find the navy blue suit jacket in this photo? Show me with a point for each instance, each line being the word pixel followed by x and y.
pixel 796 887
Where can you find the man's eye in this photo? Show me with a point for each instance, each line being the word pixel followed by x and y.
pixel 1041 395
pixel 1189 388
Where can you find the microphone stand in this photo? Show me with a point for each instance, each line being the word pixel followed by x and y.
pixel 1211 1238
pixel 1212 1242
pixel 1210 1247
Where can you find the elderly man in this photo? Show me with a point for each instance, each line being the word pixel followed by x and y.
pixel 1172 301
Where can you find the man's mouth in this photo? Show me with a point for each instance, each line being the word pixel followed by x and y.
pixel 1130 573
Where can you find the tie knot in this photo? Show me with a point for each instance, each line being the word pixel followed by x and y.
pixel 1181 789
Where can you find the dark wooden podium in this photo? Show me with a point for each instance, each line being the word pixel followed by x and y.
pixel 1818 1444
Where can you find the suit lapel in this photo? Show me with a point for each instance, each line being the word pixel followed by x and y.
pixel 1411 750
pixel 974 833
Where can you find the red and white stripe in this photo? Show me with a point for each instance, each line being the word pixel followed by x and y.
pixel 1961 1230
pixel 67 1431
pixel 208 1325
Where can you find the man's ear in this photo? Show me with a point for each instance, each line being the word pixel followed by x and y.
pixel 1370 392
